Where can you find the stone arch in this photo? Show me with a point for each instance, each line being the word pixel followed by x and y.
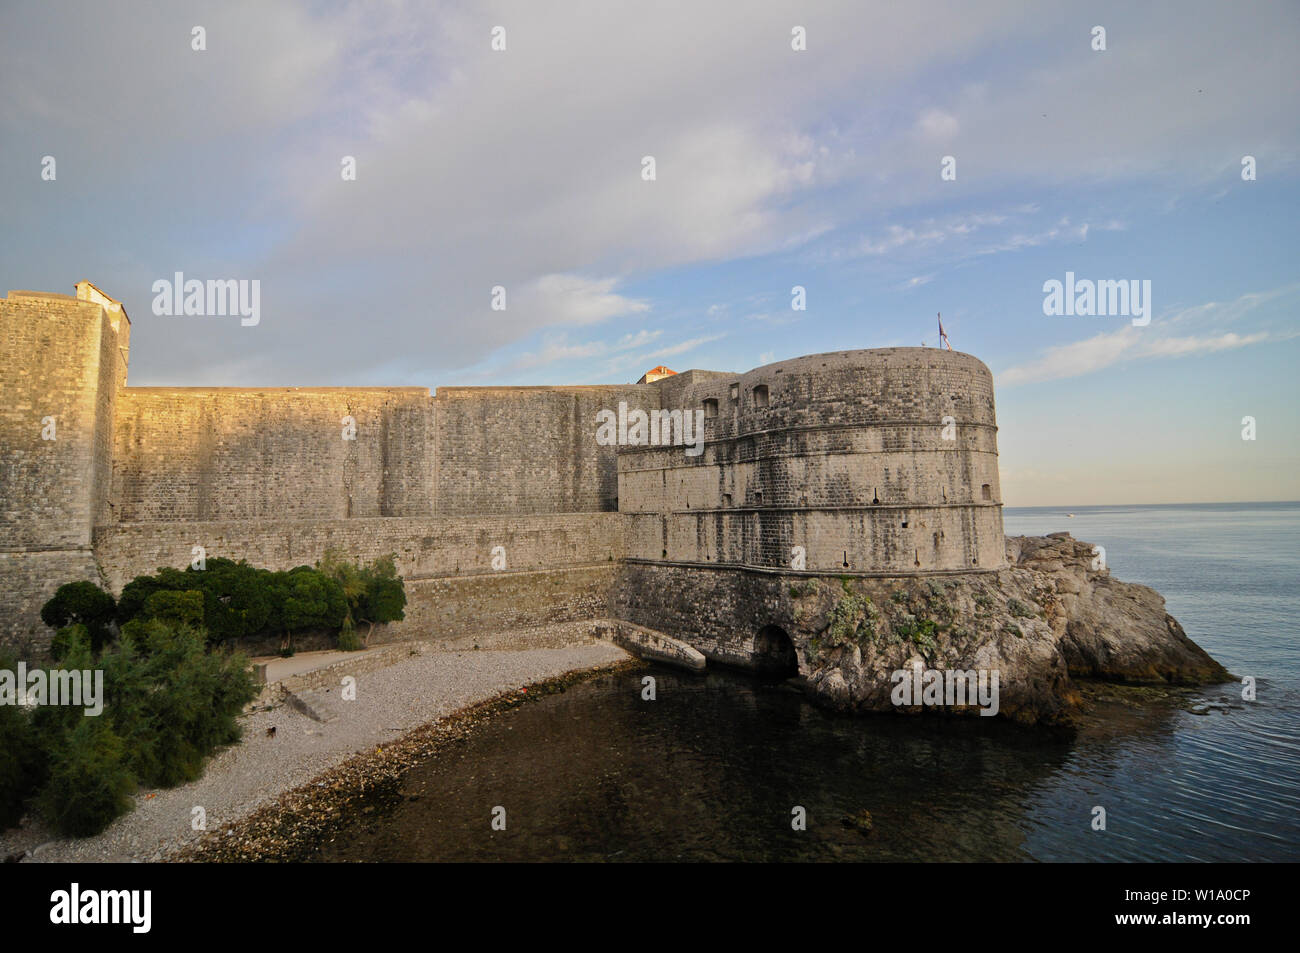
pixel 774 651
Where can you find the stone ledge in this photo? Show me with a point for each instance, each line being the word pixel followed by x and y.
pixel 648 644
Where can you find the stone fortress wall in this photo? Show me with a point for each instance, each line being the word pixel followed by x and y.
pixel 840 454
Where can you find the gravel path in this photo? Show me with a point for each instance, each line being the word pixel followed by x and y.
pixel 389 702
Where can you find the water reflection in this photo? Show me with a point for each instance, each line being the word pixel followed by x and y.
pixel 711 771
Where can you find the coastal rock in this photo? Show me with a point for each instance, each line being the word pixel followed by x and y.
pixel 1054 613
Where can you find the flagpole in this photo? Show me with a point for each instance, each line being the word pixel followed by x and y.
pixel 943 338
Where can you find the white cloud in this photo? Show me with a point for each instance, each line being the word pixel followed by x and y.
pixel 523 168
pixel 937 125
pixel 573 299
pixel 1118 347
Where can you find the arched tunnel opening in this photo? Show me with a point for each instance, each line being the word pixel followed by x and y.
pixel 774 652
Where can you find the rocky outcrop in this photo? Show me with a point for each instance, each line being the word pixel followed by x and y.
pixel 1053 614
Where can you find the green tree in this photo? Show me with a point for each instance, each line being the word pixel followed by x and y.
pixel 178 607
pixel 82 603
pixel 139 589
pixel 375 593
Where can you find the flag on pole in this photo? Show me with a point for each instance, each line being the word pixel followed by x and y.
pixel 943 337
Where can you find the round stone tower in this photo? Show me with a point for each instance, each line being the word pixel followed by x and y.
pixel 870 462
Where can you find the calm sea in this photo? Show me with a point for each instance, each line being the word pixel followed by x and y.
pixel 714 767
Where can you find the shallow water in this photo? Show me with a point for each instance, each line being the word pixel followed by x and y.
pixel 713 767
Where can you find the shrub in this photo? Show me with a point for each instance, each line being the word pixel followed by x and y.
pixel 304 599
pixel 349 641
pixel 66 640
pixel 385 595
pixel 852 618
pixel 1018 608
pixel 139 589
pixel 20 760
pixel 89 785
pixel 86 782
pixel 82 603
pixel 172 701
pixel 168 703
pixel 375 593
pixel 177 607
pixel 237 597
pixel 231 600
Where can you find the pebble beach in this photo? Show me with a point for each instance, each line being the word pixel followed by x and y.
pixel 400 712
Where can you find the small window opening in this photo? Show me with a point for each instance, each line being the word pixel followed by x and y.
pixel 711 407
pixel 986 491
pixel 760 395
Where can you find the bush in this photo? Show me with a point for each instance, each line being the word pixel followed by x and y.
pixel 232 600
pixel 305 599
pixel 20 759
pixel 237 597
pixel 1018 608
pixel 852 619
pixel 89 785
pixel 66 641
pixel 86 782
pixel 82 603
pixel 385 595
pixel 138 590
pixel 173 702
pixel 168 704
pixel 375 593
pixel 349 641
pixel 177 607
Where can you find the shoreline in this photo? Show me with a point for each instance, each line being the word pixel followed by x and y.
pixel 293 826
pixel 418 700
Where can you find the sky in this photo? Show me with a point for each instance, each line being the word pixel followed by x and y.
pixel 774 167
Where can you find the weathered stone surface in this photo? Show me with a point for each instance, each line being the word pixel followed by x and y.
pixel 1106 628
pixel 842 517
pixel 649 644
pixel 1048 618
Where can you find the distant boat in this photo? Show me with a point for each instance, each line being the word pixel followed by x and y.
pixel 1069 516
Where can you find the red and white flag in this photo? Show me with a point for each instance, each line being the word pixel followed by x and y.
pixel 943 337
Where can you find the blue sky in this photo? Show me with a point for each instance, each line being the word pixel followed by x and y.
pixel 775 168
